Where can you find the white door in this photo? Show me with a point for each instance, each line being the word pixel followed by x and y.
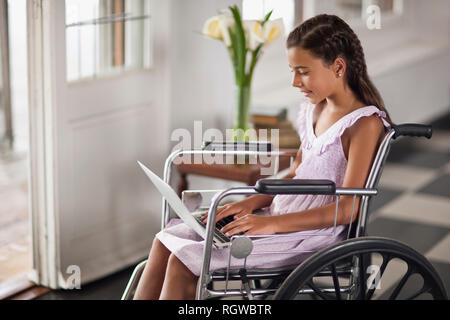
pixel 91 208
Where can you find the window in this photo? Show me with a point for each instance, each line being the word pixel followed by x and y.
pixel 106 37
pixel 257 9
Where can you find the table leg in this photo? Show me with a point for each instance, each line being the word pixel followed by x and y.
pixel 183 184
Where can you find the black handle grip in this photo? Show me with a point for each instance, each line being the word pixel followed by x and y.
pixel 295 186
pixel 412 130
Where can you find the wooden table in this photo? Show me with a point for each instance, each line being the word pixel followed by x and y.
pixel 247 173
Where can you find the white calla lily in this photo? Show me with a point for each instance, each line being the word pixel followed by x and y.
pixel 245 40
pixel 211 28
pixel 217 27
pixel 253 33
pixel 273 29
pixel 225 22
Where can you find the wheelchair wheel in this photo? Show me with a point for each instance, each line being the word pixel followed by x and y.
pixel 380 268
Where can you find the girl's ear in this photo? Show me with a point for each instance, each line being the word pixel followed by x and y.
pixel 339 67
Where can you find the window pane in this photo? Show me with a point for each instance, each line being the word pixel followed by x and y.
pixel 385 5
pixel 257 9
pixel 106 37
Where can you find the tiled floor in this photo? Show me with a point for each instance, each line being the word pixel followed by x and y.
pixel 413 206
pixel 15 239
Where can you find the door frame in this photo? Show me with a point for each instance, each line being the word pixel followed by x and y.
pixel 42 112
pixel 5 78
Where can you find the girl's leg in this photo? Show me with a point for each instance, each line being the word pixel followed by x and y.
pixel 180 282
pixel 152 278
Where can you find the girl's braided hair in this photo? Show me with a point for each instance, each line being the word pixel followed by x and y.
pixel 328 37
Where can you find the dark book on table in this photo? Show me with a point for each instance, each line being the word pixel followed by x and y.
pixel 268 116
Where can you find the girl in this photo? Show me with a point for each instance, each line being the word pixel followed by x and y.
pixel 340 127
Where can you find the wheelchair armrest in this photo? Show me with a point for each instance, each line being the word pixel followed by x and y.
pixel 295 186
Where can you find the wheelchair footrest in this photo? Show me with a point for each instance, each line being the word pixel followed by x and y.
pixel 253 273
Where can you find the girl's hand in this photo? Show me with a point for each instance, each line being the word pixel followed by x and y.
pixel 250 224
pixel 238 209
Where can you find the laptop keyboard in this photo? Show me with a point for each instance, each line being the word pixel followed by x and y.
pixel 219 225
pixel 222 223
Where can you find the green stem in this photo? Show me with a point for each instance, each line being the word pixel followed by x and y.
pixel 243 95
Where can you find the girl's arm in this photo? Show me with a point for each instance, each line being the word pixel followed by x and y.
pixel 249 204
pixel 362 147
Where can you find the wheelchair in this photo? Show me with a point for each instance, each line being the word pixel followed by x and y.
pixel 353 269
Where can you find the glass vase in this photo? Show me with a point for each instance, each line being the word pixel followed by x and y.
pixel 242 100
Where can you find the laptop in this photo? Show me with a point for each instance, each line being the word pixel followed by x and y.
pixel 192 219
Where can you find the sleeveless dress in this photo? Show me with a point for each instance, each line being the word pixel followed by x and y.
pixel 322 158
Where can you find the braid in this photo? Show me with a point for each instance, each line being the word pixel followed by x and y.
pixel 358 58
pixel 328 37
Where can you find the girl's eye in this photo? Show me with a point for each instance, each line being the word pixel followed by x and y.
pixel 300 73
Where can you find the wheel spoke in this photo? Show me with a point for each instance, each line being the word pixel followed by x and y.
pixel 401 284
pixel 321 294
pixel 424 289
pixel 362 289
pixel 337 288
pixel 386 259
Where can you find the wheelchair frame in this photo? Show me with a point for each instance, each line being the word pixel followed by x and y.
pixel 203 292
pixel 206 279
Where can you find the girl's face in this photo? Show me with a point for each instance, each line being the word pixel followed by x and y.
pixel 315 80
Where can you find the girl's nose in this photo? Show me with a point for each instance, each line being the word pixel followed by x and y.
pixel 296 81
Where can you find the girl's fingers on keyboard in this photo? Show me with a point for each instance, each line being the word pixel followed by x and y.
pixel 242 214
pixel 225 213
pixel 220 209
pixel 236 227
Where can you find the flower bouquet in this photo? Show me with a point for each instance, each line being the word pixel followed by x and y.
pixel 245 41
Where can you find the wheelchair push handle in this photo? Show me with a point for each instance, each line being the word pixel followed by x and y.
pixel 295 186
pixel 412 130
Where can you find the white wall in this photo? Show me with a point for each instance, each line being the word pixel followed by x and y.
pixel 201 79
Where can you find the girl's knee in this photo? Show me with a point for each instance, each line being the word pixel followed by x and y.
pixel 180 283
pixel 158 250
pixel 174 262
pixel 177 267
pixel 157 245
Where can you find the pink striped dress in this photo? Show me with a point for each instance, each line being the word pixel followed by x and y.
pixel 322 158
